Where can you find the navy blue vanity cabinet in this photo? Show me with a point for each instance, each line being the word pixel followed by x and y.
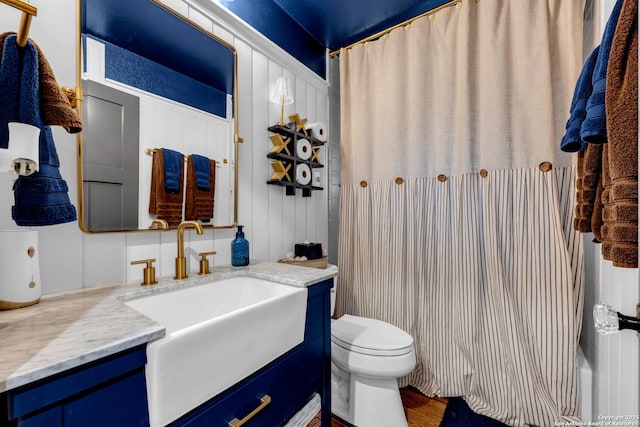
pixel 111 392
pixel 289 381
pixel 108 392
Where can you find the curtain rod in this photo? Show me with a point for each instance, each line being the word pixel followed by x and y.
pixel 28 11
pixel 456 3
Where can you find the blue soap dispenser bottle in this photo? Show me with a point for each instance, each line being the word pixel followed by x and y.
pixel 239 249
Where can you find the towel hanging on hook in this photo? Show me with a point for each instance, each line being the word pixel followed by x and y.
pixel 28 11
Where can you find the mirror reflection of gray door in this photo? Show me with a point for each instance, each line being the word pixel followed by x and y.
pixel 110 158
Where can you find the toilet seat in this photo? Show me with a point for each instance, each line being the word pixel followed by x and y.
pixel 370 336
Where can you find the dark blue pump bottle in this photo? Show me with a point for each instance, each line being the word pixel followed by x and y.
pixel 239 249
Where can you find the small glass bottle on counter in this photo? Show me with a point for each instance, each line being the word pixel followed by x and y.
pixel 239 249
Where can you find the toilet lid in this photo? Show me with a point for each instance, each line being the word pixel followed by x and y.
pixel 370 336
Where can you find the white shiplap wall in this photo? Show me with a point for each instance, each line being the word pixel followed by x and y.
pixel 273 222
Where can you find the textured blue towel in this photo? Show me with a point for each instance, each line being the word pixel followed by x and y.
pixel 594 127
pixel 202 165
pixel 42 197
pixel 571 141
pixel 173 162
pixel 10 70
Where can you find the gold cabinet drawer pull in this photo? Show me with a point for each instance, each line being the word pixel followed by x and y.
pixel 264 402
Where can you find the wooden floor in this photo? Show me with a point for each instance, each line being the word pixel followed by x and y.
pixel 421 410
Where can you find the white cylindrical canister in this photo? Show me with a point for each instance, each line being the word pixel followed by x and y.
pixel 24 142
pixel 20 268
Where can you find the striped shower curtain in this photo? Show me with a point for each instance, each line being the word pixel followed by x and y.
pixel 456 203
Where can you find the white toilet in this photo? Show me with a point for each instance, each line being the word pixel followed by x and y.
pixel 367 358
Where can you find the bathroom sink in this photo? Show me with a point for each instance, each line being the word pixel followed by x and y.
pixel 217 334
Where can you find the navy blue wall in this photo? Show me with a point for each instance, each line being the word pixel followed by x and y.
pixel 151 48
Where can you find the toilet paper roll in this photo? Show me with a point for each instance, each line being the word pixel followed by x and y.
pixel 317 130
pixel 303 174
pixel 303 149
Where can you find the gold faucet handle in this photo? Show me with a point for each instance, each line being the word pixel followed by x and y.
pixel 204 262
pixel 149 271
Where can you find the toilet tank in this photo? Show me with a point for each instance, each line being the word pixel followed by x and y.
pixel 332 267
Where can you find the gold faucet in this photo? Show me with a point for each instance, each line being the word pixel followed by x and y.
pixel 181 260
pixel 159 224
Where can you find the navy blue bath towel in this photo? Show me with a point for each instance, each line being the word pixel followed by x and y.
pixel 572 141
pixel 42 197
pixel 11 74
pixel 173 161
pixel 594 127
pixel 202 165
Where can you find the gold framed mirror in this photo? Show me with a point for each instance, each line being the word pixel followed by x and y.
pixel 150 80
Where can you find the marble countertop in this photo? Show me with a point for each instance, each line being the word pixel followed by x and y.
pixel 69 329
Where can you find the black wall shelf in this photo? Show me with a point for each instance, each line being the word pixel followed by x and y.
pixel 291 137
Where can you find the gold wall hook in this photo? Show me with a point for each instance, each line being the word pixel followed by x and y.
pixel 72 95
pixel 28 12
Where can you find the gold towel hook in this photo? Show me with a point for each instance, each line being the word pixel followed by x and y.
pixel 28 11
pixel 23 31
